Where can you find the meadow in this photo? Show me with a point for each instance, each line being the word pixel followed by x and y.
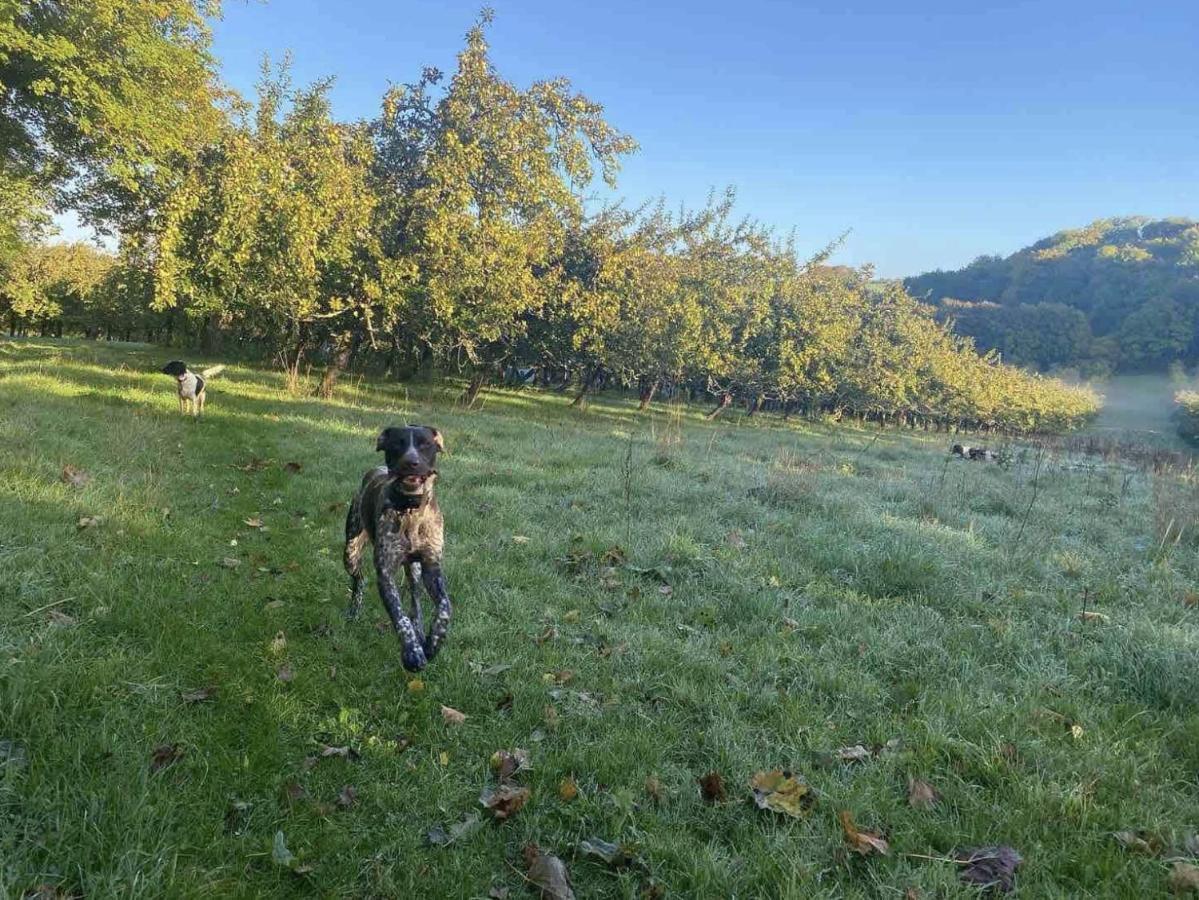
pixel 958 654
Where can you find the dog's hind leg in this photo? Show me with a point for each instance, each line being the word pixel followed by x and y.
pixel 434 581
pixel 355 542
pixel 200 400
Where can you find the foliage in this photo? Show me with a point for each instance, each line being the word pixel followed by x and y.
pixel 1119 293
pixel 1187 414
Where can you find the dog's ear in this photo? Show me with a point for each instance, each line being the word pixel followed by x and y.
pixel 381 442
pixel 437 438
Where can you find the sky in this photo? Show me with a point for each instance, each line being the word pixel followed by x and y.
pixel 932 131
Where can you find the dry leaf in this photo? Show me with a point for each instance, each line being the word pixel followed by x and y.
pixel 75 477
pixel 863 842
pixel 451 716
pixel 87 522
pixel 293 792
pixel 1139 841
pixel 505 800
pixel 285 674
pixel 666 590
pixel 230 562
pixel 505 763
pixel 1090 615
pixel 1076 731
pixel 254 522
pixel 164 756
pixel 735 540
pixel 568 789
pixel 278 643
pixel 989 867
pixel 347 797
pixel 549 634
pixel 1190 599
pixel 348 753
pixel 921 794
pixel 415 686
pixel 293 467
pixel 548 874
pixel 711 787
pixel 572 616
pixel 440 836
pixel 1184 878
pixel 58 617
pixel 520 539
pixel 856 753
pixel 782 792
pixel 200 695
pixel 616 855
pixel 443 758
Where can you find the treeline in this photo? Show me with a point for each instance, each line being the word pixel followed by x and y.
pixel 451 232
pixel 1117 295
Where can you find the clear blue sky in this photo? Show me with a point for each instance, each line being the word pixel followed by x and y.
pixel 935 130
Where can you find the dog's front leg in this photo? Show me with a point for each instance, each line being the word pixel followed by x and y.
pixel 387 558
pixel 418 618
pixel 434 581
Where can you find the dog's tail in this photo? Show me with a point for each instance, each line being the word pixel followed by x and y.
pixel 213 370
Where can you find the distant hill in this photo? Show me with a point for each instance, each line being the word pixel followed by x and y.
pixel 1119 294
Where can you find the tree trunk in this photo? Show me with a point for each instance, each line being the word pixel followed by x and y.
pixel 578 401
pixel 757 404
pixel 647 394
pixel 343 352
pixel 474 389
pixel 726 400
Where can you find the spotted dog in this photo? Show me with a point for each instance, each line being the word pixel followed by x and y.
pixel 190 385
pixel 975 453
pixel 395 510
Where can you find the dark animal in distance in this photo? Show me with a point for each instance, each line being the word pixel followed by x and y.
pixel 396 511
pixel 189 385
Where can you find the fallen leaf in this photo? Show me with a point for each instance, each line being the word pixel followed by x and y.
pixel 279 852
pixel 520 539
pixel 278 643
pixel 200 695
pixel 285 674
pixel 505 763
pixel 1190 599
pixel 863 842
pixel 58 617
pixel 1076 731
pixel 615 855
pixel 254 522
pixel 293 467
pixel 711 787
pixel 1184 878
pixel 665 590
pixel 548 874
pixel 989 867
pixel 613 556
pixel 164 756
pixel 230 562
pixel 294 792
pixel 451 716
pixel 75 477
pixel 654 789
pixel 572 616
pixel 347 797
pixel 781 792
pixel 348 753
pixel 568 789
pixel 87 522
pixel 921 794
pixel 497 669
pixel 443 836
pixel 415 686
pixel 549 634
pixel 735 540
pixel 504 704
pixel 237 816
pixel 505 800
pixel 1090 615
pixel 1139 841
pixel 443 758
pixel 856 753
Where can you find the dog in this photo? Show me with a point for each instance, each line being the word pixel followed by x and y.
pixel 395 509
pixel 974 453
pixel 190 385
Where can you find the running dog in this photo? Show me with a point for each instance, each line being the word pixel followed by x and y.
pixel 396 511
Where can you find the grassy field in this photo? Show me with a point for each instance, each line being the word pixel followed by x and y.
pixel 641 600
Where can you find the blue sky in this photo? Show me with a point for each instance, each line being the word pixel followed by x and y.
pixel 936 131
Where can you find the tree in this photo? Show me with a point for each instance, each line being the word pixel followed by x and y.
pixel 482 181
pixel 97 95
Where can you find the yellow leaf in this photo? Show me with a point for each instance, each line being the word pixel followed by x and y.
pixel 782 792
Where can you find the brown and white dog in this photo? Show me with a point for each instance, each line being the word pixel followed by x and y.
pixel 396 511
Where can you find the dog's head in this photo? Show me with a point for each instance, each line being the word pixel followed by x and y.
pixel 411 454
pixel 959 450
pixel 175 367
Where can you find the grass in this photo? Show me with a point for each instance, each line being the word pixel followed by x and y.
pixel 725 597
